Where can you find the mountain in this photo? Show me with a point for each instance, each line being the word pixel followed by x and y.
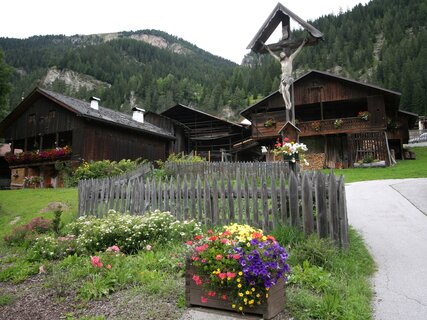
pixel 383 43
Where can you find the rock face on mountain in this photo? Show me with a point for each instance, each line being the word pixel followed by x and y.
pixel 73 80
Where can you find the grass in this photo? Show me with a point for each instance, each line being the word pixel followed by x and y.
pixel 402 170
pixel 26 204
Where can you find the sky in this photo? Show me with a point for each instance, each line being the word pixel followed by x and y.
pixel 221 27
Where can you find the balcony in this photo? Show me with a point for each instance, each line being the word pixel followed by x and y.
pixel 46 155
pixel 336 126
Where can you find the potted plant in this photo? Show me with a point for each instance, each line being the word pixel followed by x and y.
pixel 316 125
pixel 338 123
pixel 364 115
pixel 290 150
pixel 269 123
pixel 238 268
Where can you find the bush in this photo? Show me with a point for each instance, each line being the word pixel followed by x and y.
pixel 51 248
pixel 27 233
pixel 102 169
pixel 318 252
pixel 130 233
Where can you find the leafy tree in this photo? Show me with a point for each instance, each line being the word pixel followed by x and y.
pixel 5 72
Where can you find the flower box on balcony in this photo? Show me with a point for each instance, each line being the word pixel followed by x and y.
pixel 271 307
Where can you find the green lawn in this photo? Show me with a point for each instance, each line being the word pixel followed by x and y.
pixel 402 170
pixel 23 205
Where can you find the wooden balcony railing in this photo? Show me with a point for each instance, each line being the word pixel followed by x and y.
pixel 334 126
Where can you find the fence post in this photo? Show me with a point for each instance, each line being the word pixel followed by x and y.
pixel 333 207
pixel 307 204
pixel 321 208
pixel 293 200
pixel 342 206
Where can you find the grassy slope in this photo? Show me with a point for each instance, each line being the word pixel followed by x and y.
pixel 402 170
pixel 27 203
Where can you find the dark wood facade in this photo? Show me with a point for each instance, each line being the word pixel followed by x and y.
pixel 327 111
pixel 207 135
pixel 46 120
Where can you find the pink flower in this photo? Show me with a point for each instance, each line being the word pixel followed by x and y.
pixel 236 256
pixel 211 293
pixel 224 297
pixel 95 261
pixel 231 275
pixel 148 247
pixel 108 266
pixel 222 275
pixel 113 249
pixel 197 280
pixel 41 269
pixel 203 299
pixel 218 257
pixel 203 260
pixel 189 243
pixel 224 240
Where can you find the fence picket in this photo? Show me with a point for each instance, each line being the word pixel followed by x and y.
pixel 293 200
pixel 307 204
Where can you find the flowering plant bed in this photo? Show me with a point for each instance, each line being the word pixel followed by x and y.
pixel 38 155
pixel 237 269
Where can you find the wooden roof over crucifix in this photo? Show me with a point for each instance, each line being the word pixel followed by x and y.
pixel 282 15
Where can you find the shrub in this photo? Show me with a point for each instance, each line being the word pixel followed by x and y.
pixel 130 233
pixel 102 169
pixel 28 232
pixel 318 252
pixel 51 248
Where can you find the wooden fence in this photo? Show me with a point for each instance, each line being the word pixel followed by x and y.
pixel 258 169
pixel 314 202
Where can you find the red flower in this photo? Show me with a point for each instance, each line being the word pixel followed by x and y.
pixel 197 238
pixel 222 275
pixel 236 256
pixel 271 238
pixel 224 297
pixel 189 243
pixel 213 238
pixel 203 299
pixel 211 293
pixel 218 257
pixel 256 235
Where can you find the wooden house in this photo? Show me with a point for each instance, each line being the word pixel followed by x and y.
pixel 47 126
pixel 208 136
pixel 342 121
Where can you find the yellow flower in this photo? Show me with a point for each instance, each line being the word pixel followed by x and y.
pixel 245 300
pixel 240 294
pixel 251 301
pixel 240 273
pixel 233 306
pixel 238 279
pixel 258 295
pixel 239 285
pixel 248 292
pixel 240 308
pixel 253 289
pixel 266 295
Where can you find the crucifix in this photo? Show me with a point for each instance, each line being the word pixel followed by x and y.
pixel 285 50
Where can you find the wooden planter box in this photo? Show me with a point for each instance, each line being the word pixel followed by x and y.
pixel 273 305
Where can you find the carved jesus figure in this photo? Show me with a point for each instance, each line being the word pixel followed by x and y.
pixel 286 79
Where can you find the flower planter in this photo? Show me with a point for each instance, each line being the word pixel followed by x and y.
pixel 272 306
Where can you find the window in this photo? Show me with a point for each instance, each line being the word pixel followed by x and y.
pixel 32 118
pixel 51 114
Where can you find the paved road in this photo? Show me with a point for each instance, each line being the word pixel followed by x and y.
pixel 392 217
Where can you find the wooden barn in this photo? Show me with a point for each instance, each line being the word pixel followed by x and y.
pixel 342 121
pixel 48 126
pixel 208 136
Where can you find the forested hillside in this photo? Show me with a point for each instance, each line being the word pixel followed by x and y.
pixel 383 42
